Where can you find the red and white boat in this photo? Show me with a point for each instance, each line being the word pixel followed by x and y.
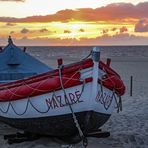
pixel 51 103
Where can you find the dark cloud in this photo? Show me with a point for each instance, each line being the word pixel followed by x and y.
pixel 12 32
pixel 44 30
pixel 105 31
pixel 111 12
pixel 24 30
pixel 8 19
pixel 114 29
pixel 67 31
pixel 123 29
pixel 81 30
pixel 142 26
pixel 10 24
pixel 118 39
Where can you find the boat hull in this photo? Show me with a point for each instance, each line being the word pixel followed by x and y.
pixel 62 125
pixel 47 114
pixel 43 105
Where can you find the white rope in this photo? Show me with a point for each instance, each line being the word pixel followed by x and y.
pixel 85 143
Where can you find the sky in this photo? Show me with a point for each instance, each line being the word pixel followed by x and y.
pixel 74 22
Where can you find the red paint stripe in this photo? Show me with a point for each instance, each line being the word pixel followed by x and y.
pixel 45 86
pixel 49 81
pixel 114 83
pixel 107 69
pixel 66 69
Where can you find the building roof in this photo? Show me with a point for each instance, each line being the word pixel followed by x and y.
pixel 17 64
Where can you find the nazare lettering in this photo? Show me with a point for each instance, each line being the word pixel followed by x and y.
pixel 105 99
pixel 61 100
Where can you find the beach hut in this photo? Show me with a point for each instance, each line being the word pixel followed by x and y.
pixel 17 64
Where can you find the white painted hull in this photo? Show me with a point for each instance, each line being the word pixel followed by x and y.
pixel 54 103
pixel 47 114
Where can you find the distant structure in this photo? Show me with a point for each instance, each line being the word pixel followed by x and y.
pixel 16 64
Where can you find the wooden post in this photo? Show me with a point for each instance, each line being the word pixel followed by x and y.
pixel 108 62
pixel 131 86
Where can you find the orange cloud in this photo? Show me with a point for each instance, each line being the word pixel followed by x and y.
pixel 142 26
pixel 44 30
pixel 12 32
pixel 114 29
pixel 111 12
pixel 123 29
pixel 105 31
pixel 81 30
pixel 10 24
pixel 24 30
pixel 67 31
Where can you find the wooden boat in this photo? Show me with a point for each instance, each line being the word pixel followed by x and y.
pixel 57 103
pixel 16 64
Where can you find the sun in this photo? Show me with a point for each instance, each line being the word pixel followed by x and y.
pixel 74 30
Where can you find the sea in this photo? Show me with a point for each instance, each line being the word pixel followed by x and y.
pixel 73 53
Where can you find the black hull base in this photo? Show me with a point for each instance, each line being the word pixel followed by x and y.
pixel 58 126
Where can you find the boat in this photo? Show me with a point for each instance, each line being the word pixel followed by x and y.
pixel 16 63
pixel 74 98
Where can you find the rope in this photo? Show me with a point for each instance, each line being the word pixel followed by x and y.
pixel 109 78
pixel 101 86
pixel 13 93
pixel 118 103
pixel 26 108
pixel 20 114
pixel 30 102
pixel 85 142
pixel 87 56
pixel 41 112
pixel 5 112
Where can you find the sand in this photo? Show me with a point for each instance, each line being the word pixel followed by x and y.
pixel 129 128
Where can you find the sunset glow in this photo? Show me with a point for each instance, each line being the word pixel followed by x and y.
pixel 93 22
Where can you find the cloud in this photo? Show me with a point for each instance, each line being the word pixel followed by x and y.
pixel 12 0
pixel 111 12
pixel 142 26
pixel 8 19
pixel 105 31
pixel 114 29
pixel 118 39
pixel 67 31
pixel 12 32
pixel 44 30
pixel 81 30
pixel 24 30
pixel 123 29
pixel 10 24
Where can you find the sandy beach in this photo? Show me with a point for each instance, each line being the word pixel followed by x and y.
pixel 129 128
